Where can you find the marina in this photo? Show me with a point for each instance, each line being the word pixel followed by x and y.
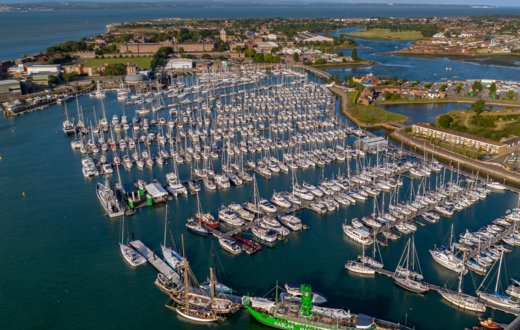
pixel 381 175
pixel 222 141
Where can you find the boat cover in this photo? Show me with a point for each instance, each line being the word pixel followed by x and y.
pixel 155 190
pixel 332 312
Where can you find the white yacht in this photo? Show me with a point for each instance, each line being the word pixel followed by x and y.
pixel 357 234
pixel 230 245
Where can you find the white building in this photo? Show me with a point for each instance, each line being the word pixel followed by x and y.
pixel 179 64
pixel 36 69
pixel 311 37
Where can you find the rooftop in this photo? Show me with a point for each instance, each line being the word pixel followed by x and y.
pixel 461 134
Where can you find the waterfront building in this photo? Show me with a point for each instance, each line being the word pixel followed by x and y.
pixel 179 64
pixel 458 138
pixel 10 87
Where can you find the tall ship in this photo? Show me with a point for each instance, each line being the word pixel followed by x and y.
pixel 108 200
pixel 286 314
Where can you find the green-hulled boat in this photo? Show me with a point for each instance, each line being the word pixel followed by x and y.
pixel 304 316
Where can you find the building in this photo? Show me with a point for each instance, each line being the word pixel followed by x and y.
pixel 40 73
pixel 142 48
pixel 195 47
pixel 458 138
pixel 179 64
pixel 373 143
pixel 266 46
pixel 223 35
pixel 10 86
pixel 50 69
pixel 311 37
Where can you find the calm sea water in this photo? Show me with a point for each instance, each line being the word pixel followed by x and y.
pixel 420 68
pixel 62 269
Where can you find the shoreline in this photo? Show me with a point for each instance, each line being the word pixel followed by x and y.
pixel 513 104
pixel 342 64
pixel 494 171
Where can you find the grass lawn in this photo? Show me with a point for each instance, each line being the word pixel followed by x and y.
pixel 374 115
pixel 141 62
pixel 387 34
pixel 492 124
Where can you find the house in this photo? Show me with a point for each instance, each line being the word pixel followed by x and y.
pixel 458 138
pixel 266 46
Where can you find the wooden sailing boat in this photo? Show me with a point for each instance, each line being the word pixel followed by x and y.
pixel 193 314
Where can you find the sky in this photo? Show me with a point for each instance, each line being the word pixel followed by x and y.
pixel 501 3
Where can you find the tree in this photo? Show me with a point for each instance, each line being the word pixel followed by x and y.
pixel 458 88
pixel 493 90
pixel 510 94
pixel 354 55
pixel 249 53
pixel 53 79
pixel 115 69
pixel 478 107
pixel 159 58
pixel 477 86
pixel 445 121
pixel 296 57
pixel 68 76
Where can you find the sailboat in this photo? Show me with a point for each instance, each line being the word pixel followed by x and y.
pixel 172 257
pixel 496 298
pixel 373 261
pixel 360 267
pixel 193 314
pixel 68 126
pixel 447 258
pixel 405 275
pixel 462 300
pixel 195 224
pixel 131 256
pixel 213 278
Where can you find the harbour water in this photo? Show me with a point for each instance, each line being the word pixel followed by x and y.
pixel 421 68
pixel 61 266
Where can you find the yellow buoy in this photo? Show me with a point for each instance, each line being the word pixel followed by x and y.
pixel 23 194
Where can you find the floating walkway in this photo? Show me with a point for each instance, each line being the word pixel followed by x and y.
pixel 161 266
pixel 439 289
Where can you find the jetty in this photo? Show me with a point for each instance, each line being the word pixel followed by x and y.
pixel 161 266
pixel 439 289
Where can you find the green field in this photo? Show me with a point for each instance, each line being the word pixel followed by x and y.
pixel 374 115
pixel 387 34
pixel 141 62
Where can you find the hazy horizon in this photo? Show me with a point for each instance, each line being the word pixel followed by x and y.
pixel 497 3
